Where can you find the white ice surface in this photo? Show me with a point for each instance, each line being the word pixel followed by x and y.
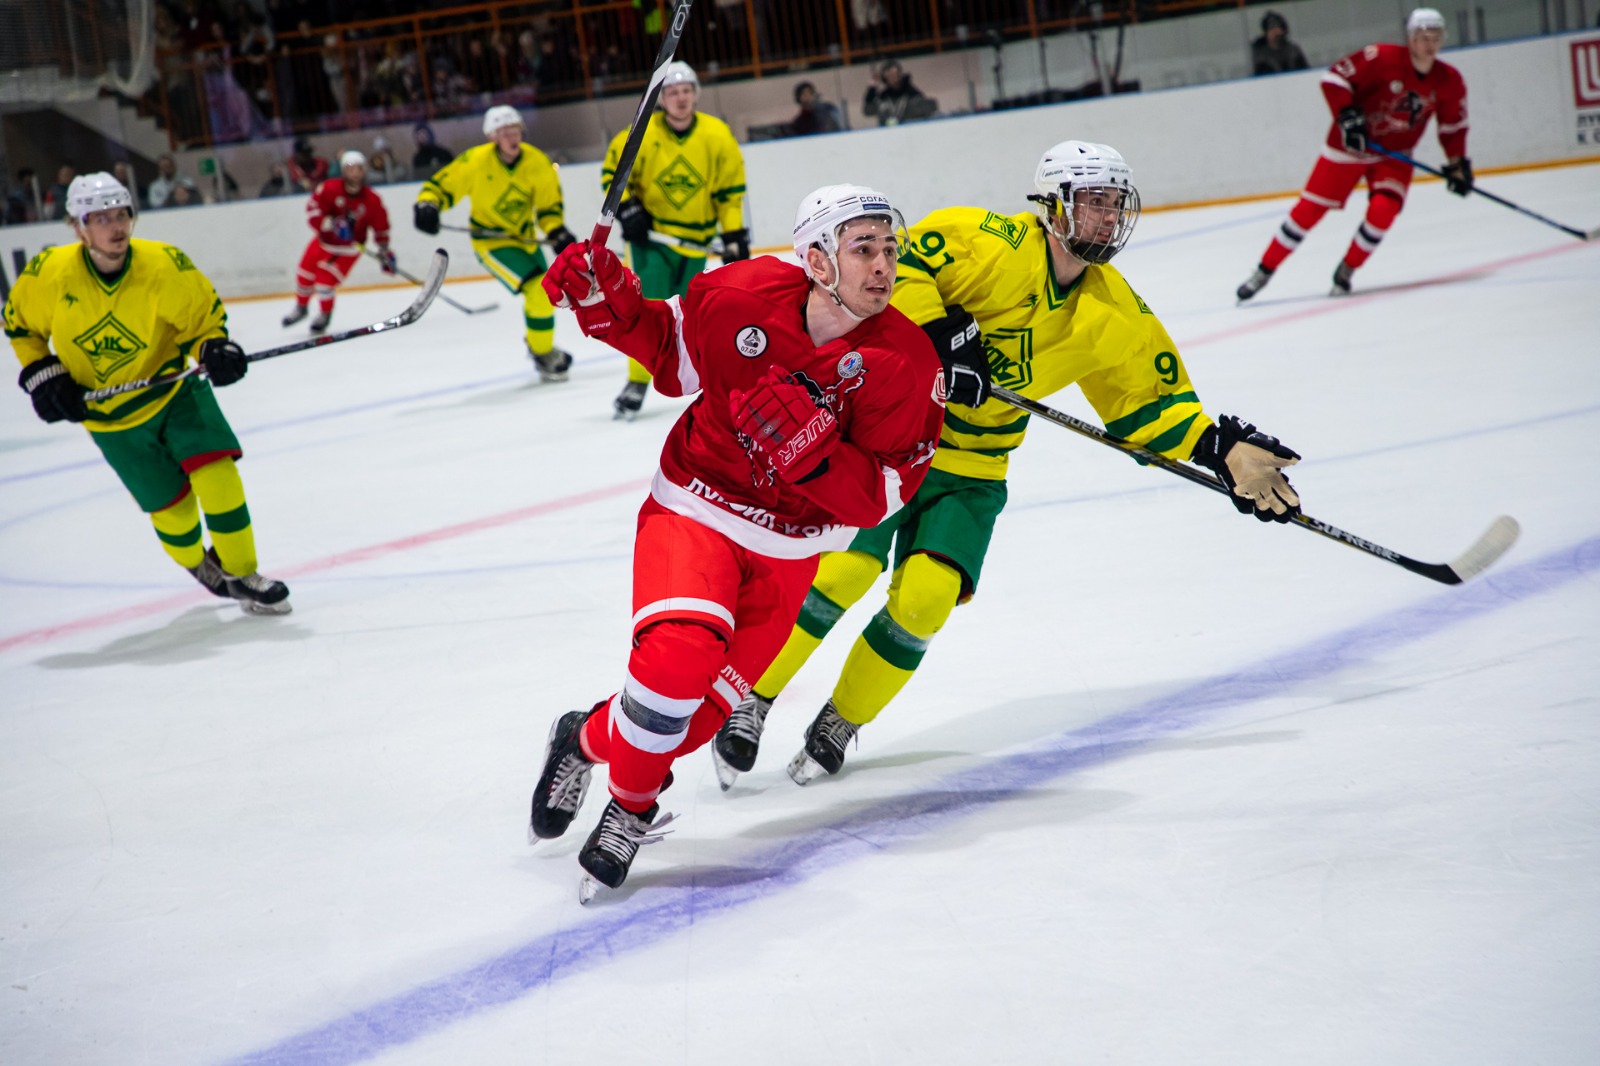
pixel 1174 788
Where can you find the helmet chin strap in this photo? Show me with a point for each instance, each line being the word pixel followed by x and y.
pixel 833 289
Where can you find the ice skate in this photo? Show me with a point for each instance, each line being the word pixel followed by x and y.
pixel 609 851
pixel 1341 279
pixel 257 594
pixel 552 365
pixel 296 314
pixel 320 323
pixel 629 400
pixel 1253 284
pixel 210 574
pixel 563 781
pixel 734 748
pixel 826 738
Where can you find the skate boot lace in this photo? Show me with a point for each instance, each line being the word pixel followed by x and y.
pixel 255 582
pixel 623 833
pixel 570 783
pixel 834 731
pixel 748 718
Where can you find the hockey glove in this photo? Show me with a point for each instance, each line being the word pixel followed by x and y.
pixel 635 222
pixel 343 229
pixel 386 260
pixel 425 216
pixel 596 287
pixel 224 361
pixel 735 245
pixel 1458 176
pixel 785 424
pixel 1250 463
pixel 1353 128
pixel 54 394
pixel 560 237
pixel 960 347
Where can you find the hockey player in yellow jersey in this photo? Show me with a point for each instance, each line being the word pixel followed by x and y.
pixel 1031 303
pixel 515 195
pixel 687 183
pixel 113 309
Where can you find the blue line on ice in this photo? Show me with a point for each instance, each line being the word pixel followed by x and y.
pixel 653 913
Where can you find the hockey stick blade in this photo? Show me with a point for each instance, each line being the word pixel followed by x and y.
pixel 430 289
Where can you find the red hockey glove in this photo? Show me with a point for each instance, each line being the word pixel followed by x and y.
pixel 595 286
pixel 785 423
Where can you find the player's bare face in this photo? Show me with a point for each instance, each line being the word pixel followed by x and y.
pixel 508 140
pixel 354 176
pixel 1425 45
pixel 106 235
pixel 1095 214
pixel 867 255
pixel 678 102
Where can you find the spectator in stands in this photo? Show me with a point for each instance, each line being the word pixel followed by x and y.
pixel 185 194
pixel 21 201
pixel 160 190
pixel 383 168
pixel 892 99
pixel 55 201
pixel 124 173
pixel 333 71
pixel 430 157
pixel 306 170
pixel 278 183
pixel 1273 52
pixel 816 114
pixel 482 68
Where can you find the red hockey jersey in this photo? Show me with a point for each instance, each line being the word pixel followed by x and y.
pixel 1396 100
pixel 882 380
pixel 332 202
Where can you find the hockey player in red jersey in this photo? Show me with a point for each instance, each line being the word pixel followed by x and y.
pixel 1383 95
pixel 819 410
pixel 340 212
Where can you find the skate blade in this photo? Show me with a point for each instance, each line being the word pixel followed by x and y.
pixel 588 888
pixel 726 775
pixel 803 769
pixel 252 607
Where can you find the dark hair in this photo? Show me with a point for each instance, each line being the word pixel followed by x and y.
pixel 1271 19
pixel 801 88
pixel 303 145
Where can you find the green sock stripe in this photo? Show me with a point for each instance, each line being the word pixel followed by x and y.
pixel 818 614
pixel 186 539
pixel 234 521
pixel 547 322
pixel 894 644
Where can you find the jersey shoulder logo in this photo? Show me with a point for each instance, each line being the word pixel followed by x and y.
pixel 36 264
pixel 68 299
pixel 514 203
pixel 679 181
pixel 110 346
pixel 1144 308
pixel 1007 229
pixel 179 260
pixel 751 341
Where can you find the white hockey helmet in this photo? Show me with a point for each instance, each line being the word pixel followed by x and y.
pixel 499 117
pixel 824 212
pixel 679 72
pixel 1424 18
pixel 352 158
pixel 1081 166
pixel 89 193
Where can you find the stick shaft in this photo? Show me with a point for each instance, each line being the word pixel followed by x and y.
pixel 1401 157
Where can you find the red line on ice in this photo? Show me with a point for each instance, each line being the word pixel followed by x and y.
pixel 348 558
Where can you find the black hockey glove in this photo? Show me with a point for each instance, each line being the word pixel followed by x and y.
pixel 735 245
pixel 1458 176
pixel 1353 128
pixel 966 364
pixel 1250 463
pixel 224 361
pixel 560 237
pixel 635 222
pixel 54 394
pixel 425 216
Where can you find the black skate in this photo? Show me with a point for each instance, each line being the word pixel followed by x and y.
pixel 210 574
pixel 563 781
pixel 609 851
pixel 257 594
pixel 733 750
pixel 1253 284
pixel 296 314
pixel 553 365
pixel 1341 279
pixel 826 738
pixel 629 400
pixel 320 323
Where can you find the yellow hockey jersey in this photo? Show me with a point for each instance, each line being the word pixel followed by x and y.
pixel 521 200
pixel 147 320
pixel 692 183
pixel 1040 338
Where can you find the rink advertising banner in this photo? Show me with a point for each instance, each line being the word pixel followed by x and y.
pixel 1585 53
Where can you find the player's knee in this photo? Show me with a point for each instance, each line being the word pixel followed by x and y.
pixel 677 657
pixel 844 577
pixel 926 593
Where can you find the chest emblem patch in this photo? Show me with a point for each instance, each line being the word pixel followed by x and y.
pixel 513 204
pixel 110 346
pixel 679 181
pixel 751 341
pixel 850 364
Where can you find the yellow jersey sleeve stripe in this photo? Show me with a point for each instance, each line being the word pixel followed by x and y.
pixel 1129 424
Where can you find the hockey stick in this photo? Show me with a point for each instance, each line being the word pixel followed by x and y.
pixel 641 120
pixel 1401 157
pixel 490 234
pixel 464 309
pixel 1500 535
pixel 430 289
pixel 711 247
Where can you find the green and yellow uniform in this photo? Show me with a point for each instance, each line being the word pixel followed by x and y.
pixel 148 319
pixel 692 183
pixel 522 200
pixel 1039 338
